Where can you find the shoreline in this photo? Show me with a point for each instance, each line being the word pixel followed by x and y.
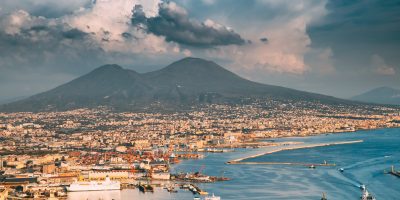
pixel 236 161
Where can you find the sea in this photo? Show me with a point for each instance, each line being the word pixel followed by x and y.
pixel 363 163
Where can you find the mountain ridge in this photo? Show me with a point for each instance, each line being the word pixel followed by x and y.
pixel 380 95
pixel 186 82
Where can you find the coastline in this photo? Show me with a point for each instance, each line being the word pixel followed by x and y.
pixel 239 160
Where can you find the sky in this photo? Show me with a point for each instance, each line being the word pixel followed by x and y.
pixel 335 47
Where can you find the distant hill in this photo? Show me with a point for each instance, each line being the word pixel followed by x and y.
pixel 9 100
pixel 381 95
pixel 187 82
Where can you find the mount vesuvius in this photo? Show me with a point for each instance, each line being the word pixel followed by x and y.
pixel 186 82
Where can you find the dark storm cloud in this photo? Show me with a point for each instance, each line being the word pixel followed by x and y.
pixel 46 8
pixel 264 39
pixel 357 31
pixel 365 27
pixel 175 24
pixel 74 34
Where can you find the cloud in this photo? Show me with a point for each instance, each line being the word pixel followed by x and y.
pixel 380 67
pixel 109 23
pixel 264 39
pixel 74 34
pixel 302 40
pixel 45 8
pixel 173 23
pixel 321 61
pixel 286 32
pixel 208 2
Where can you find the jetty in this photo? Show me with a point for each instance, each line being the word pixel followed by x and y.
pixel 283 163
pixel 394 172
pixel 239 161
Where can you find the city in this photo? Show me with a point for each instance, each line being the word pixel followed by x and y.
pixel 43 152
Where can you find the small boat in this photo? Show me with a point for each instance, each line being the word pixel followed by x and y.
pixel 312 167
pixel 202 192
pixel 365 194
pixel 213 197
pixel 171 189
pixel 341 170
pixel 324 196
pixel 146 188
pixel 362 187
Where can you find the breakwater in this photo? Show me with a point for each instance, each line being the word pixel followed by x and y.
pixel 239 160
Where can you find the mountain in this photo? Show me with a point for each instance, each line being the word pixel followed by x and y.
pixel 187 82
pixel 381 95
pixel 9 100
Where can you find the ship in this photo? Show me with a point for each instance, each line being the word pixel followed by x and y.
pixel 94 186
pixel 365 194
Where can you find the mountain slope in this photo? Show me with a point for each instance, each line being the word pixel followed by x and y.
pixel 381 95
pixel 106 85
pixel 189 81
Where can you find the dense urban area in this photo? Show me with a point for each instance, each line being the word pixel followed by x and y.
pixel 43 153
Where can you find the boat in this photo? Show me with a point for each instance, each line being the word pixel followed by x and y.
pixel 312 166
pixel 365 194
pixel 202 192
pixel 94 186
pixel 324 196
pixel 341 170
pixel 171 189
pixel 362 187
pixel 146 188
pixel 213 197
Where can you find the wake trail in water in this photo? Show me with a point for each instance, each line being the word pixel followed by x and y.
pixel 362 167
pixel 363 163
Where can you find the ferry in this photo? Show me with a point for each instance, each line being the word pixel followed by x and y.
pixel 94 186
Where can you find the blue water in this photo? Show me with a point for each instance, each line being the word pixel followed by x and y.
pixel 363 163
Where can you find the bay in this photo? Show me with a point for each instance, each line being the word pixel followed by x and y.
pixel 363 163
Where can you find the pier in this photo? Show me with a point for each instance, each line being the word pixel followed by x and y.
pixel 239 161
pixel 394 172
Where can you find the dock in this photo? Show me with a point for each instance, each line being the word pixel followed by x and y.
pixel 239 161
pixel 394 172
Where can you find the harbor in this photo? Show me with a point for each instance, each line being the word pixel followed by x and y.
pixel 183 185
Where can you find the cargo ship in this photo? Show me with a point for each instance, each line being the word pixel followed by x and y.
pixel 94 186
